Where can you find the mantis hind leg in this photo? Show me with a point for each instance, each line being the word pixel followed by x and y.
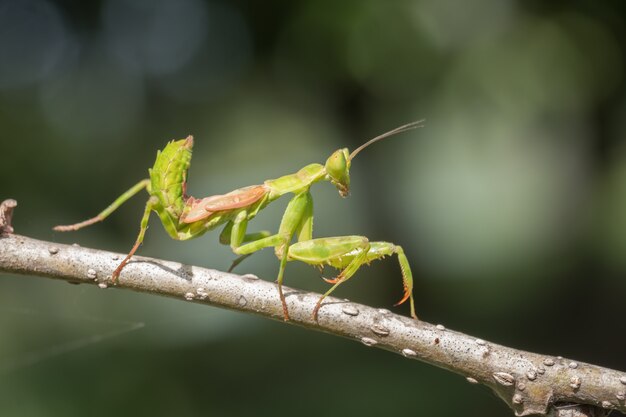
pixel 107 211
pixel 142 231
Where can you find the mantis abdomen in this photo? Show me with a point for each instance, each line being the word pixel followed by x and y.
pixel 168 176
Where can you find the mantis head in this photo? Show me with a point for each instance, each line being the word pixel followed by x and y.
pixel 338 169
pixel 338 164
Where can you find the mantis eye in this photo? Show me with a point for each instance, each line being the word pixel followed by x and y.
pixel 336 164
pixel 337 167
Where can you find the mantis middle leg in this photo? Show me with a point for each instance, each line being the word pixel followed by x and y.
pixel 297 219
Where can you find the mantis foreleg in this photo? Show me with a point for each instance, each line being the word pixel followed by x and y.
pixel 331 248
pixel 407 279
pixel 305 228
pixel 349 253
pixel 107 211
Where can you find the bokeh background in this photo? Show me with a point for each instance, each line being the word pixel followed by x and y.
pixel 510 202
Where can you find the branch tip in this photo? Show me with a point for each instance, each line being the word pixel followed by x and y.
pixel 6 215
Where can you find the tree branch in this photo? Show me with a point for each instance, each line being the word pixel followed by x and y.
pixel 529 383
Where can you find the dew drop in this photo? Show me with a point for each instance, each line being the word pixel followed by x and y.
pixel 383 311
pixel 575 382
pixel 548 362
pixel 518 399
pixel 53 250
pixel 189 296
pixel 531 375
pixel 91 273
pixel 573 365
pixel 471 380
pixel 440 327
pixel 102 285
pixel 607 404
pixel 622 379
pixel 480 342
pixel 115 257
pixel 621 395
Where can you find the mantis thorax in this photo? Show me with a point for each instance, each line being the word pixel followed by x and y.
pixel 338 169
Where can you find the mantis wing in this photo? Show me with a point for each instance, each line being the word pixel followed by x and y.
pixel 203 208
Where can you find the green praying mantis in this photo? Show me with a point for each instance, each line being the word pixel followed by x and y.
pixel 185 217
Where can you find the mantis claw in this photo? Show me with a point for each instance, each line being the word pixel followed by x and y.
pixel 405 297
pixel 284 303
pixel 317 308
pixel 331 280
pixel 237 261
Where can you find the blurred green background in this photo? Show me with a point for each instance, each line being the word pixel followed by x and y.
pixel 510 203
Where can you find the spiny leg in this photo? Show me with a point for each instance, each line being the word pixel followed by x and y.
pixel 344 275
pixel 345 252
pixel 107 211
pixel 407 280
pixel 378 250
pixel 142 231
pixel 351 252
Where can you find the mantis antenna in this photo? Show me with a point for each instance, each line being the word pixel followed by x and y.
pixel 403 128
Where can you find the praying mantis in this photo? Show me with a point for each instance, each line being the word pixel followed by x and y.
pixel 185 217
